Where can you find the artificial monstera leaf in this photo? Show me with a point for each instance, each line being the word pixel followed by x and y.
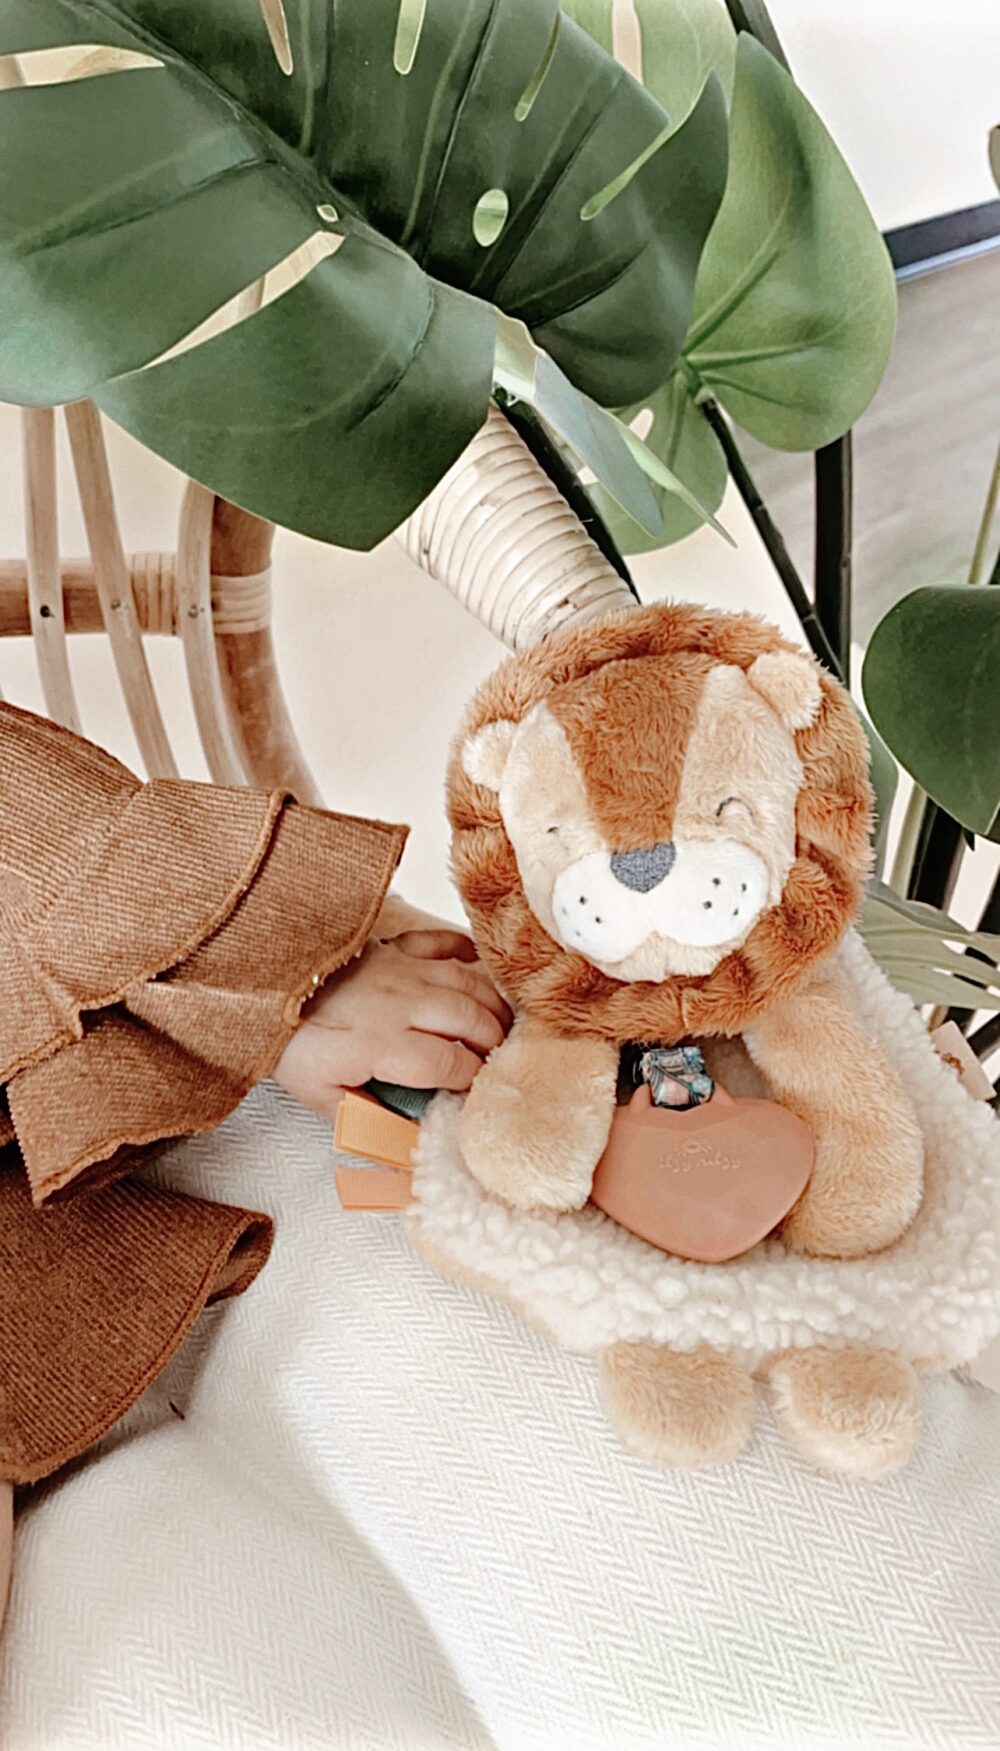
pixel 931 679
pixel 464 156
pixel 680 43
pixel 923 951
pixel 795 304
pixel 795 299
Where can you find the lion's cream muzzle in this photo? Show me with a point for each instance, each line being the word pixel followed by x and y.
pixel 698 893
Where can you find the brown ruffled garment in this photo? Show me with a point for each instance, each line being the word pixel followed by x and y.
pixel 156 944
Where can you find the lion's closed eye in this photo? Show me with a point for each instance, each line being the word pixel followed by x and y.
pixel 735 802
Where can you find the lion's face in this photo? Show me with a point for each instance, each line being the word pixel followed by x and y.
pixel 673 875
pixel 652 805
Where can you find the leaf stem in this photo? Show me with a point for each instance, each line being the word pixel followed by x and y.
pixel 986 1039
pixel 909 836
pixel 940 845
pixel 772 539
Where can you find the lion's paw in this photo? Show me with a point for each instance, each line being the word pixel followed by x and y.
pixel 533 1158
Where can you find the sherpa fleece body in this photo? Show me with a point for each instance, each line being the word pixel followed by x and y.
pixel 934 1296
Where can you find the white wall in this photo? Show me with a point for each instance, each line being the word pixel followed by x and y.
pixel 908 88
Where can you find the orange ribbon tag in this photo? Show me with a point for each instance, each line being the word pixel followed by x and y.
pixel 365 1127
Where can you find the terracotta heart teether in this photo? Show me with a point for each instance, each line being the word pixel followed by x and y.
pixel 705 1184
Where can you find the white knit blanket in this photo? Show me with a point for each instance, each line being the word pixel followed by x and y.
pixel 366 1509
pixel 935 1295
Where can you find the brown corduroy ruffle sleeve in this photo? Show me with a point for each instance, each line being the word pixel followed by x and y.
pixel 156 944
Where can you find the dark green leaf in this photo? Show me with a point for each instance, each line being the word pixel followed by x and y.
pixel 295 415
pixel 932 684
pixel 795 300
pixel 596 17
pixel 132 208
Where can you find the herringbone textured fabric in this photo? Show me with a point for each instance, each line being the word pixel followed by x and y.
pixel 393 1516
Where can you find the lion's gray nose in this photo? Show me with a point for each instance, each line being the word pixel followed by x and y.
pixel 643 870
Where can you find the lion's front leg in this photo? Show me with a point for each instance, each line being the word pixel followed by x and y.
pixel 536 1120
pixel 868 1176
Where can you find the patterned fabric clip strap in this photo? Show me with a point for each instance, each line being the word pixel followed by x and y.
pixel 676 1075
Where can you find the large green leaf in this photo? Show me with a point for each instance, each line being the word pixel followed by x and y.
pixel 795 302
pixel 132 207
pixel 931 679
pixel 795 299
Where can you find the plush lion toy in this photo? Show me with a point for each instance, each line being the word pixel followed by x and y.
pixel 661 834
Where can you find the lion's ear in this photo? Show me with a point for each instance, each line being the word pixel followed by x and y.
pixel 791 685
pixel 484 755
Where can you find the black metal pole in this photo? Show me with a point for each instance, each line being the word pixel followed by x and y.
pixel 986 1039
pixel 833 524
pixel 773 540
pixel 939 852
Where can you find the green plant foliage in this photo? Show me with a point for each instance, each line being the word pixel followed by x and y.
pixel 589 433
pixel 795 303
pixel 596 17
pixel 795 300
pixel 931 680
pixel 133 206
pixel 683 440
pixel 922 951
pixel 681 43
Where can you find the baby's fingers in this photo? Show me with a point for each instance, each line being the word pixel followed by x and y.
pixel 425 1061
pixel 472 982
pixel 455 1016
pixel 436 945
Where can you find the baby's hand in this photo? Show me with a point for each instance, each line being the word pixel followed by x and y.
pixel 400 1013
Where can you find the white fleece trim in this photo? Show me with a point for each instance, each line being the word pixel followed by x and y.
pixel 934 1296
